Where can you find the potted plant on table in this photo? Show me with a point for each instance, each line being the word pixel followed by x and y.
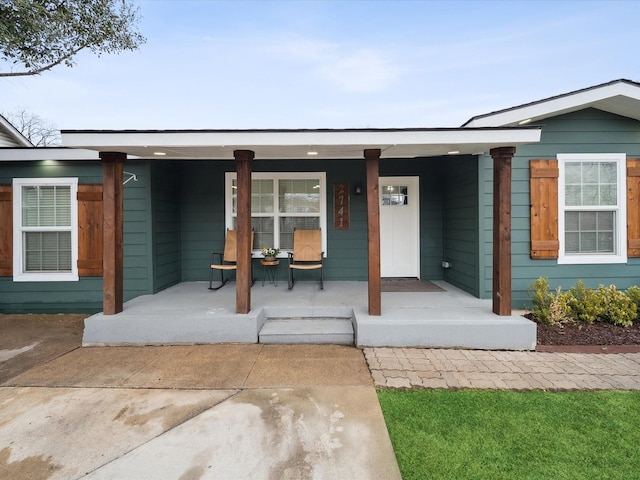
pixel 270 254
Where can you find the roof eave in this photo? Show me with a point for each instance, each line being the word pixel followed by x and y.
pixel 33 154
pixel 621 97
pixel 15 134
pixel 288 144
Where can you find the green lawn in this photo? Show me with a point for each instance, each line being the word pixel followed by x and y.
pixel 487 434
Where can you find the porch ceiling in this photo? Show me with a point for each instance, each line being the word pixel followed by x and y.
pixel 296 144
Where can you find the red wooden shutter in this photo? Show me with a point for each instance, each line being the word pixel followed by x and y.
pixel 90 230
pixel 6 231
pixel 633 207
pixel 543 183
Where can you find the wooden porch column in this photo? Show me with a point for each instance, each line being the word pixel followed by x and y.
pixel 112 204
pixel 372 160
pixel 243 222
pixel 502 229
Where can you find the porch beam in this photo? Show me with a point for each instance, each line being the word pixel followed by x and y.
pixel 112 218
pixel 243 159
pixel 372 160
pixel 502 229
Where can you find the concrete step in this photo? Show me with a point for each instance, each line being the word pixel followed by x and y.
pixel 297 330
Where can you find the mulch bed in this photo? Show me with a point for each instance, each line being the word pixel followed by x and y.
pixel 597 337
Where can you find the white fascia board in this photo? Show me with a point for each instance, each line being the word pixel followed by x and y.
pixel 504 137
pixel 117 141
pixel 556 106
pixel 36 153
pixel 15 134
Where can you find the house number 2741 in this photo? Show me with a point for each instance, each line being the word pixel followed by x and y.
pixel 341 206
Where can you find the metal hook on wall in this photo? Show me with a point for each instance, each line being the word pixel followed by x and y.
pixel 133 177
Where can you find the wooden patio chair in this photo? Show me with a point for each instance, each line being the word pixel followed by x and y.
pixel 226 260
pixel 307 254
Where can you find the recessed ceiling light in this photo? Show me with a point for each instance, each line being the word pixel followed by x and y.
pixel 312 153
pixel 453 152
pixel 160 154
pixel 524 122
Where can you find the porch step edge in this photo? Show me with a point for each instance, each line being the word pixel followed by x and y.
pixel 330 330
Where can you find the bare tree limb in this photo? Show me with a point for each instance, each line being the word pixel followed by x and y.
pixel 37 130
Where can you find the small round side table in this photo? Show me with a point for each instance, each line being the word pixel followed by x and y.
pixel 270 268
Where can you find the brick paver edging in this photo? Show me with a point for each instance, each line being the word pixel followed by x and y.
pixel 455 369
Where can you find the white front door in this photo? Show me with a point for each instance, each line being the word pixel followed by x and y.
pixel 399 227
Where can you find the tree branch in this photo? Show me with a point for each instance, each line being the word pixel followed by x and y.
pixel 38 35
pixel 38 71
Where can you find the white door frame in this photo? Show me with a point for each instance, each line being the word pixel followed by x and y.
pixel 403 238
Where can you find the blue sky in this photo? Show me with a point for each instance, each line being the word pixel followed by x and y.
pixel 336 64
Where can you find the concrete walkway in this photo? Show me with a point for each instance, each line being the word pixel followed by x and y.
pixel 235 411
pixel 433 368
pixel 186 412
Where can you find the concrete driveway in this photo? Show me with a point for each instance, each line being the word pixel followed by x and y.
pixel 184 412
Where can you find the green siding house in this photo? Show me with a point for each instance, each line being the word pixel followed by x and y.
pixel 584 208
pixel 72 239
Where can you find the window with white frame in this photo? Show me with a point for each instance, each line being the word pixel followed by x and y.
pixel 45 236
pixel 592 209
pixel 280 203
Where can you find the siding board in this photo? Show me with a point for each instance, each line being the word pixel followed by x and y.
pixel 461 224
pixel 166 238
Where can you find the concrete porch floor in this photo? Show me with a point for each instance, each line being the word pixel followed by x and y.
pixel 190 313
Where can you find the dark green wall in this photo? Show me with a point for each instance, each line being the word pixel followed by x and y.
pixel 461 223
pixel 202 227
pixel 203 223
pixel 138 228
pixel 585 131
pixel 174 218
pixel 85 295
pixel 165 200
pixel 44 297
pixel 202 214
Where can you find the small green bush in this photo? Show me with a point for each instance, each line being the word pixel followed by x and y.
pixel 634 294
pixel 547 307
pixel 617 308
pixel 584 305
pixel 541 297
pixel 560 308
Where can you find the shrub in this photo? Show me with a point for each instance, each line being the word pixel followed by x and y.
pixel 634 294
pixel 617 308
pixel 547 307
pixel 584 305
pixel 541 297
pixel 560 310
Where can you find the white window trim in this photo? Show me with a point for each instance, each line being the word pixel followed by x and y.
pixel 620 242
pixel 19 275
pixel 230 176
